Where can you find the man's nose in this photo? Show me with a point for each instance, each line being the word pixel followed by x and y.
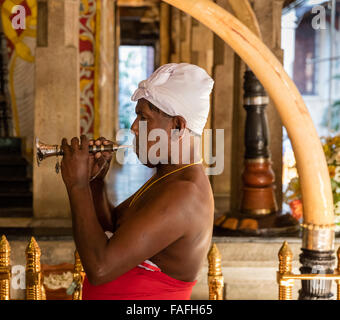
pixel 134 127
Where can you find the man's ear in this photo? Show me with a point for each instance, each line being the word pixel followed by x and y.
pixel 179 123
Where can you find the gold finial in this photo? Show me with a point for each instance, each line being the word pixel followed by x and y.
pixel 285 267
pixel 5 269
pixel 285 258
pixel 33 271
pixel 78 277
pixel 214 258
pixel 215 277
pixel 5 251
pixel 33 245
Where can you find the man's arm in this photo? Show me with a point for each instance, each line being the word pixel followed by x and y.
pixel 104 209
pixel 150 230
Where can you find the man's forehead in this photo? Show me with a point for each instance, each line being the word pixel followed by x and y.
pixel 142 105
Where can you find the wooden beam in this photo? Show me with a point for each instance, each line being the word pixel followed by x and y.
pixel 244 12
pixel 165 33
pixel 137 3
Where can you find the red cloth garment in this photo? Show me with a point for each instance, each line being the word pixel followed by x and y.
pixel 144 282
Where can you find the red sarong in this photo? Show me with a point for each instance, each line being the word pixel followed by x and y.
pixel 144 282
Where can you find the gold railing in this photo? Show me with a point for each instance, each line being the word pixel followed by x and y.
pixel 35 289
pixel 286 279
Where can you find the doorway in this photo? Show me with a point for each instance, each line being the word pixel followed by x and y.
pixel 138 56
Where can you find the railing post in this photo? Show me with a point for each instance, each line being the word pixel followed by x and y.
pixel 78 277
pixel 215 276
pixel 5 269
pixel 285 267
pixel 33 272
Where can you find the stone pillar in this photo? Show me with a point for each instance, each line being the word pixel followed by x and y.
pixel 202 52
pixel 56 98
pixel 222 113
pixel 108 121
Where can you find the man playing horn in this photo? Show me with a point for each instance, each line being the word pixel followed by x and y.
pixel 162 233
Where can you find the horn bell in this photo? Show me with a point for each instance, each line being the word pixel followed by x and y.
pixel 44 150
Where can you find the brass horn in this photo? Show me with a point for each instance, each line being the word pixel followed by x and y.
pixel 47 150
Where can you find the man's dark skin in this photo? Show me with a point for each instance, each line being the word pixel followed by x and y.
pixel 170 224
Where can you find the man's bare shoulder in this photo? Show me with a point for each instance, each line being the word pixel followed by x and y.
pixel 180 185
pixel 182 196
pixel 174 193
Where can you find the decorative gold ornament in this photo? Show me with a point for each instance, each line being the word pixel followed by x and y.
pixel 34 282
pixel 215 276
pixel 5 269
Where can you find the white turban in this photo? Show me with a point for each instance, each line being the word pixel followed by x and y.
pixel 179 89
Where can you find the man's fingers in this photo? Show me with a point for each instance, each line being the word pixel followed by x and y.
pixel 84 143
pixel 99 141
pixel 104 141
pixel 75 143
pixel 108 142
pixel 91 161
pixel 106 154
pixel 64 141
pixel 65 146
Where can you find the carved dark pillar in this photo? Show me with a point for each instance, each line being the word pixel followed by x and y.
pixel 258 213
pixel 258 177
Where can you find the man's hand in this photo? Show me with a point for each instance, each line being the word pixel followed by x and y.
pixel 100 161
pixel 75 164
